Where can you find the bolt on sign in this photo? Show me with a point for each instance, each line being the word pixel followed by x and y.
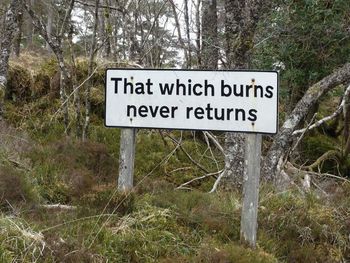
pixel 242 101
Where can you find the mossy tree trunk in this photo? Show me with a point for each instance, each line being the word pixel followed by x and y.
pixel 209 51
pixel 9 30
pixel 241 19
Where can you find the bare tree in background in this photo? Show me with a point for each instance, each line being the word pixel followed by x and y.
pixel 55 43
pixel 93 50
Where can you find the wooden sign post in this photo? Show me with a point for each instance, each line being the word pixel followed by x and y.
pixel 126 159
pixel 249 214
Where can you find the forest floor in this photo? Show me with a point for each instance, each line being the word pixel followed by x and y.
pixel 59 202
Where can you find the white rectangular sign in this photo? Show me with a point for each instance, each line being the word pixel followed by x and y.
pixel 242 101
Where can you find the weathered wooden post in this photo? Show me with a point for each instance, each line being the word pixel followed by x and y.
pixel 251 179
pixel 126 159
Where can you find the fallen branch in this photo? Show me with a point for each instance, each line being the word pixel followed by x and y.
pixel 59 206
pixel 215 186
pixel 214 140
pixel 327 155
pixel 330 175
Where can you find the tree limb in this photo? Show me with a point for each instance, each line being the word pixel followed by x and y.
pixel 284 137
pixel 338 111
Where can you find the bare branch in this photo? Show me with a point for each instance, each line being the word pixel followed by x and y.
pixel 198 178
pixel 188 155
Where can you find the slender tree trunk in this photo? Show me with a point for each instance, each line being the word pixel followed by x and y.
pixel 9 30
pixel 134 44
pixel 90 69
pixel 209 52
pixel 65 81
pixel 111 31
pixel 30 27
pixel 189 47
pixel 49 27
pixel 18 40
pixel 76 96
pixel 178 27
pixel 103 35
pixel 198 33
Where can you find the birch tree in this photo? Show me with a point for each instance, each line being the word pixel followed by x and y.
pixel 93 50
pixel 9 30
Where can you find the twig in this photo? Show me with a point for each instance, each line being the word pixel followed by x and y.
pixel 59 206
pixel 215 186
pixel 215 141
pixel 198 178
pixel 188 155
pixel 329 175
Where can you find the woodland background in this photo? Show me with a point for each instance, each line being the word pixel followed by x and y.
pixel 58 164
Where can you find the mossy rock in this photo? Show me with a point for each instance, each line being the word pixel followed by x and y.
pixel 97 101
pixel 19 83
pixel 82 68
pixel 41 84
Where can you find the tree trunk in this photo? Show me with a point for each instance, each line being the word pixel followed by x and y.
pixel 178 27
pixel 111 32
pixel 189 48
pixel 9 30
pixel 18 40
pixel 284 137
pixel 30 27
pixel 49 27
pixel 90 69
pixel 198 33
pixel 210 52
pixel 241 18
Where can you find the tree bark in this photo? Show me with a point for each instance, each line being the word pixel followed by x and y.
pixel 209 52
pixel 18 40
pixel 90 69
pixel 49 26
pixel 198 32
pixel 284 136
pixel 9 30
pixel 30 27
pixel 178 27
pixel 189 48
pixel 241 18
